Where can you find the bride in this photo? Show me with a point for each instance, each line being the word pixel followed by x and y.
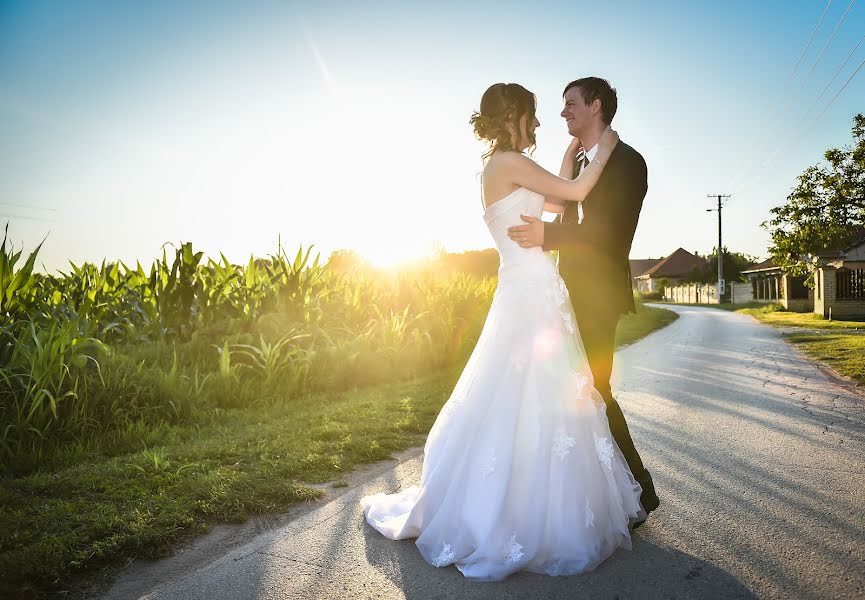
pixel 520 472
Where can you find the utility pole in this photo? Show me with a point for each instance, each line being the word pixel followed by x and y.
pixel 720 197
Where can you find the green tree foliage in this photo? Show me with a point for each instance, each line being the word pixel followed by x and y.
pixel 734 264
pixel 347 261
pixel 480 263
pixel 826 210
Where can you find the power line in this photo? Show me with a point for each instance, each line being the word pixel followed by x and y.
pixel 798 127
pixel 801 131
pixel 779 101
pixel 834 77
pixel 808 45
pixel 796 132
pixel 838 93
pixel 826 45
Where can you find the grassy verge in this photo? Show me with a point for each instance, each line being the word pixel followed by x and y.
pixel 85 518
pixel 836 343
pixel 842 352
pixel 640 324
pixel 243 462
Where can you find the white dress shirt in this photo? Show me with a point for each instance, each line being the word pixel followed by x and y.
pixel 591 153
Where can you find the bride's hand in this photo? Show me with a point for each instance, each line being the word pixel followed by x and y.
pixel 574 146
pixel 609 138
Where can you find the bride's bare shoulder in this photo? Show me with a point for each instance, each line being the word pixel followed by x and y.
pixel 507 157
pixel 503 160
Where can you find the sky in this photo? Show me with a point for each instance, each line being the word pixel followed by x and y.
pixel 125 126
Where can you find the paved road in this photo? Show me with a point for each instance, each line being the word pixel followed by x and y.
pixel 756 453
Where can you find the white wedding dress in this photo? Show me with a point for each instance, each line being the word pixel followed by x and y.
pixel 520 470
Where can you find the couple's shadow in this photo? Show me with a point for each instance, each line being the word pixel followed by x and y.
pixel 648 571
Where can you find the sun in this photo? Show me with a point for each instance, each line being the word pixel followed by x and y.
pixel 394 256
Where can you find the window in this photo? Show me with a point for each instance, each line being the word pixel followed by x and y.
pixel 798 291
pixel 850 284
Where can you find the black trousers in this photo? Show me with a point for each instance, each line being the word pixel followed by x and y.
pixel 598 332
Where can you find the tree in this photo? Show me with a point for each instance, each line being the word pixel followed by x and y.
pixel 734 264
pixel 825 211
pixel 481 263
pixel 346 261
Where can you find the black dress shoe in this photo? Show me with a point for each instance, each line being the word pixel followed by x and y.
pixel 649 502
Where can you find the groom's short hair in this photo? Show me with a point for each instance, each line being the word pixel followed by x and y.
pixel 595 88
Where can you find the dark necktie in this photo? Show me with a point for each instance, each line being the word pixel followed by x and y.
pixel 582 161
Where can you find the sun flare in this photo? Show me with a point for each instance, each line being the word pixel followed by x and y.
pixel 390 256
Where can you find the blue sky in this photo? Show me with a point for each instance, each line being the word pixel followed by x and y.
pixel 124 126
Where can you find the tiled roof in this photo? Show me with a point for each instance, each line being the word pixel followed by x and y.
pixel 641 265
pixel 678 264
pixel 842 250
pixel 763 266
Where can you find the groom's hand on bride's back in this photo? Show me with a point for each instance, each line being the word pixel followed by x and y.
pixel 530 235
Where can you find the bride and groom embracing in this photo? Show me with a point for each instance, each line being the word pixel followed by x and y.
pixel 530 465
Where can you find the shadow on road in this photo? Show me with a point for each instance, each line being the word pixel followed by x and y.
pixel 755 452
pixel 647 571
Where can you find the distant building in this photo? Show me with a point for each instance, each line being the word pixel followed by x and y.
pixel 640 266
pixel 770 284
pixel 838 285
pixel 839 282
pixel 679 266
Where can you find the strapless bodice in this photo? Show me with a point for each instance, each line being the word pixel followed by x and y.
pixel 505 213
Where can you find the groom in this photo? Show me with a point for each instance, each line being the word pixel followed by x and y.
pixel 594 249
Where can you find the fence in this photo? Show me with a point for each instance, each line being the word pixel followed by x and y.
pixel 692 293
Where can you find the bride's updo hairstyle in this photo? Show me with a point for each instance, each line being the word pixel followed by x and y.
pixel 504 105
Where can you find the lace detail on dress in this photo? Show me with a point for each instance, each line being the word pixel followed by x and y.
pixel 604 449
pixel 446 556
pixel 490 466
pixel 558 293
pixel 581 385
pixel 562 444
pixel 569 322
pixel 590 516
pixel 513 550
pixel 555 568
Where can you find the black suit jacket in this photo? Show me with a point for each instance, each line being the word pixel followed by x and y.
pixel 593 255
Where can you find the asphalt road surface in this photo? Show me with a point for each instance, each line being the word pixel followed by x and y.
pixel 758 457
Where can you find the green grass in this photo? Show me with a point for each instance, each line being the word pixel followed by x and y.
pixel 838 344
pixel 640 324
pixel 246 461
pixel 782 318
pixel 77 520
pixel 842 352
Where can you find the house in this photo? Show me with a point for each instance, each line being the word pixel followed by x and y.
pixel 640 266
pixel 679 266
pixel 770 284
pixel 839 282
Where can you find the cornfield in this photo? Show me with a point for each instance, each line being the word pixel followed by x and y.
pixel 100 349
